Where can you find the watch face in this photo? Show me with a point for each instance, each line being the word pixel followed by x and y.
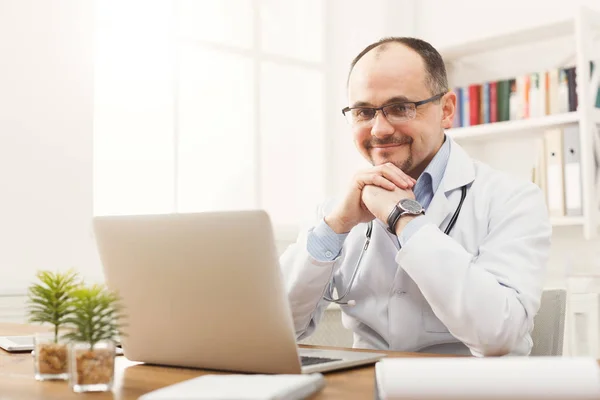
pixel 411 206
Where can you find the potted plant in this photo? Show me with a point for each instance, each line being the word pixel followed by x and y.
pixel 96 321
pixel 49 302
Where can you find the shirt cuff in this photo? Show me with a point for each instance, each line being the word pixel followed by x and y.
pixel 323 244
pixel 411 228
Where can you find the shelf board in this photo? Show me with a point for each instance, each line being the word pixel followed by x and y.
pixel 567 221
pixel 520 127
pixel 504 128
pixel 498 42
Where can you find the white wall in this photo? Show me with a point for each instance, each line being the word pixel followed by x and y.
pixel 45 139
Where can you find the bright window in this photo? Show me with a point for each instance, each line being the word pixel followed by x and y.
pixel 205 105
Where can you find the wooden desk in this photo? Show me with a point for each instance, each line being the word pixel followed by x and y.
pixel 133 379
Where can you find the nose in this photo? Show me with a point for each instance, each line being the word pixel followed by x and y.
pixel 381 126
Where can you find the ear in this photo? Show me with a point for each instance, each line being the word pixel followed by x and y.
pixel 448 109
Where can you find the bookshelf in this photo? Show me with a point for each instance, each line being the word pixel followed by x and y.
pixel 581 30
pixel 530 126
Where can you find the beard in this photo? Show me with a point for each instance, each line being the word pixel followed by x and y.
pixel 405 165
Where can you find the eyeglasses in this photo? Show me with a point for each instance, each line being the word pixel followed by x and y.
pixel 395 112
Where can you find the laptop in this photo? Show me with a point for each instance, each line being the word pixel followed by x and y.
pixel 204 290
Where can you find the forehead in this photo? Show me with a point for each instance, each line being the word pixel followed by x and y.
pixel 388 71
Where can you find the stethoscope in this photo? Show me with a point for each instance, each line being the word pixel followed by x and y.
pixel 340 299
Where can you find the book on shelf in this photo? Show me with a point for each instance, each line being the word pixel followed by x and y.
pixel 526 96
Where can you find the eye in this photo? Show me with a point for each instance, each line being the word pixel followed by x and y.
pixel 398 110
pixel 363 114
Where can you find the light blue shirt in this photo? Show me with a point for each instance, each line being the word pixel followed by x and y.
pixel 324 244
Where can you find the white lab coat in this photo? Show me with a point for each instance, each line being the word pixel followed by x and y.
pixel 479 287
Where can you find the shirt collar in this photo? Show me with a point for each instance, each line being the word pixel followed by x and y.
pixel 436 168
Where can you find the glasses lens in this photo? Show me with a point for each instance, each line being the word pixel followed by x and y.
pixel 399 112
pixel 362 114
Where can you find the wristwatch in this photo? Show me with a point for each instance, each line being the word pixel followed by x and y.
pixel 403 207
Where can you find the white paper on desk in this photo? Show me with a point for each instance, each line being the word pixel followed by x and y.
pixel 488 378
pixel 241 387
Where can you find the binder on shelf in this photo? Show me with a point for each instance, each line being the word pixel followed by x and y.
pixel 474 104
pixel 493 102
pixel 457 123
pixel 485 103
pixel 513 100
pixel 555 173
pixel 553 96
pixel 572 88
pixel 572 171
pixel 563 91
pixel 503 100
pixel 536 95
pixel 540 170
pixel 465 107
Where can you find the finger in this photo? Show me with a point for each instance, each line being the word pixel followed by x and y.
pixel 403 174
pixel 390 169
pixel 392 174
pixel 395 174
pixel 375 179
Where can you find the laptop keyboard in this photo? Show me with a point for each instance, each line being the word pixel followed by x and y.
pixel 306 360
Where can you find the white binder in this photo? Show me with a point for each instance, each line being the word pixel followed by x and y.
pixel 572 171
pixel 554 169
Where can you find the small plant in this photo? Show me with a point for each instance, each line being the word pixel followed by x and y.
pixel 50 300
pixel 95 316
pixel 96 324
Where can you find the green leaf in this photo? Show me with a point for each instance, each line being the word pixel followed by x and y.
pixel 95 316
pixel 49 298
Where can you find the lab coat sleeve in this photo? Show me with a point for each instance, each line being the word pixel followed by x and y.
pixel 306 280
pixel 487 301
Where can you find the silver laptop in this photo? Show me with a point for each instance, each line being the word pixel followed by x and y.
pixel 205 290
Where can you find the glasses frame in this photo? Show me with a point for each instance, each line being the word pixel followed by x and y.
pixel 415 103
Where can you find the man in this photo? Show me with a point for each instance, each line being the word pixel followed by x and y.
pixel 474 290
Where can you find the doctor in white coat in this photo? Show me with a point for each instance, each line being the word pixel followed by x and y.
pixel 457 250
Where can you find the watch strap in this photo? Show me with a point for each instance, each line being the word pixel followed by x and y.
pixel 393 218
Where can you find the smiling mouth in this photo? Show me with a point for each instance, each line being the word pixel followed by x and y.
pixel 385 146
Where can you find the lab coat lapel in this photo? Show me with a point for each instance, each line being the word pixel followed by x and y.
pixel 439 208
pixel 459 172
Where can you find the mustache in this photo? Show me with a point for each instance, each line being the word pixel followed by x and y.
pixel 370 143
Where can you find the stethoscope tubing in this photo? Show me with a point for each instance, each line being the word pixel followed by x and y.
pixel 368 233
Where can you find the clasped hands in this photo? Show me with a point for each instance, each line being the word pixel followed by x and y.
pixel 373 193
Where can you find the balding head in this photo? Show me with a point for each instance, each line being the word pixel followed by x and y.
pixel 433 64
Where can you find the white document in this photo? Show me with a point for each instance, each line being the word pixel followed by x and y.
pixel 522 378
pixel 241 387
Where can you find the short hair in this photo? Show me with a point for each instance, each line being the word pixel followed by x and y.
pixel 436 80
